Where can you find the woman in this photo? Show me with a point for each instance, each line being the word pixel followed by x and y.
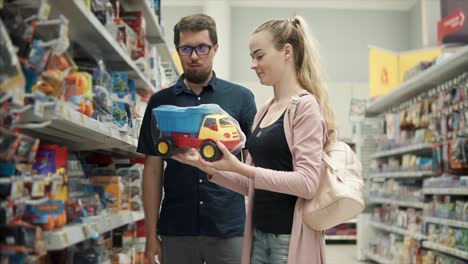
pixel 283 167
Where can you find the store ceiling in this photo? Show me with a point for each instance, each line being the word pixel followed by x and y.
pixel 324 4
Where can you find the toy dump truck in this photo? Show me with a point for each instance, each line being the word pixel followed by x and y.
pixel 196 127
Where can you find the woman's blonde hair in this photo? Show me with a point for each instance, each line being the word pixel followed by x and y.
pixel 307 63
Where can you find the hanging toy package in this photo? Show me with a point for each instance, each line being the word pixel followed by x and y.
pixel 177 129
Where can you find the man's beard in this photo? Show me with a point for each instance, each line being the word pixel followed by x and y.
pixel 196 77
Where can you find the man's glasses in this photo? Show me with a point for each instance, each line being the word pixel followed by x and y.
pixel 200 50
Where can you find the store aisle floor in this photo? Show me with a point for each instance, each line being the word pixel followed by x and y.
pixel 342 254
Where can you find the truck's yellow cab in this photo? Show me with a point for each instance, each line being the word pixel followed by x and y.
pixel 218 127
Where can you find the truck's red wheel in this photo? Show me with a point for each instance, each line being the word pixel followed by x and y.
pixel 164 147
pixel 209 151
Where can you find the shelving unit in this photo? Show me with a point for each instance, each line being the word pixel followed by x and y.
pixel 397 230
pixel 411 149
pixel 429 78
pixel 59 123
pixel 401 174
pixel 153 30
pixel 402 203
pixel 76 233
pixel 98 42
pixel 377 258
pixel 448 222
pixel 338 237
pixel 448 191
pixel 423 82
pixel 447 250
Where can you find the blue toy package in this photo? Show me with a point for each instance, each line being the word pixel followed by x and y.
pixel 176 129
pixel 120 84
pixel 119 113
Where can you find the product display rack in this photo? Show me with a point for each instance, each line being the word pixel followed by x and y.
pixel 59 122
pixel 426 80
pixel 75 233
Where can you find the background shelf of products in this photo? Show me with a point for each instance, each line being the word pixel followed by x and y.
pixel 416 173
pixel 71 106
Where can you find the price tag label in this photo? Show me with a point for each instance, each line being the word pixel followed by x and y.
pixel 17 189
pixel 1 4
pixel 38 189
pixel 65 239
pixel 68 114
pixel 39 109
pixel 87 230
pixel 83 120
pixel 56 187
pixel 96 227
pixel 44 10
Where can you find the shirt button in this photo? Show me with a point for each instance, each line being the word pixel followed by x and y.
pixel 199 99
pixel 201 181
pixel 201 202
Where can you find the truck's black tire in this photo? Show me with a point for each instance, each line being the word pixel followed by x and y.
pixel 164 147
pixel 210 151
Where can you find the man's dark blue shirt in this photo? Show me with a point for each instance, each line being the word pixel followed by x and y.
pixel 193 206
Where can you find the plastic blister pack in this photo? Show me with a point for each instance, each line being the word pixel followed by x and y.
pixel 177 129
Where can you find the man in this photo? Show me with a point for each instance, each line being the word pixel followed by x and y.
pixel 199 221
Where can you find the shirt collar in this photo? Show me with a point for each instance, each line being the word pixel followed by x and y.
pixel 180 85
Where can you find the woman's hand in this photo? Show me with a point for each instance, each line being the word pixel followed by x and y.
pixel 192 157
pixel 228 162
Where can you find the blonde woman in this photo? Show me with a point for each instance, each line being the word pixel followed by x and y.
pixel 284 162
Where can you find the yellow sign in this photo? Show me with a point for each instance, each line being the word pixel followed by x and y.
pixel 410 59
pixel 387 68
pixel 383 71
pixel 175 57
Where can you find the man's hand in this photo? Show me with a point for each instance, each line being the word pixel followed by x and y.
pixel 153 249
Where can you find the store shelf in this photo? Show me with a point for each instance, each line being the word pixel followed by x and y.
pixel 401 174
pixel 447 250
pixel 397 230
pixel 351 221
pixel 429 78
pixel 79 132
pixel 153 30
pixel 377 258
pixel 449 222
pixel 411 149
pixel 448 191
pixel 396 202
pixel 338 237
pixel 93 37
pixel 76 233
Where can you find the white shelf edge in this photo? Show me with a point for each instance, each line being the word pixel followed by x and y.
pixel 449 222
pixel 340 237
pixel 397 230
pixel 396 202
pixel 74 122
pixel 445 249
pixel 401 174
pixel 428 78
pixel 402 150
pixel 72 234
pixel 377 258
pixel 453 191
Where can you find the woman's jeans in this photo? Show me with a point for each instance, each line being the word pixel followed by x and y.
pixel 268 248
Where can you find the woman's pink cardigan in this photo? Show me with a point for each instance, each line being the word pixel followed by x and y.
pixel 306 144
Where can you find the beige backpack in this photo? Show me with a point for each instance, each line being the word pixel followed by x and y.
pixel 340 194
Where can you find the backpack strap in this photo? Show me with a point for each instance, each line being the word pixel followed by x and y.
pixel 331 135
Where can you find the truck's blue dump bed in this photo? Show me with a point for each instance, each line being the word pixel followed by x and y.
pixel 171 118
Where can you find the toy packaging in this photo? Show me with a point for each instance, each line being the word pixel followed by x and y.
pixel 176 129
